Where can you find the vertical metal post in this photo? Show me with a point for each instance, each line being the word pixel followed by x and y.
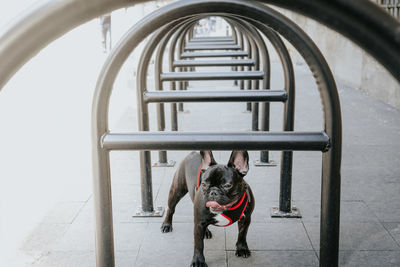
pixel 174 112
pixel 250 55
pixel 330 208
pixel 264 155
pixel 102 205
pixel 162 155
pixel 181 46
pixel 265 108
pixel 147 208
pixel 255 86
pixel 235 38
pixel 285 208
pixel 241 40
pixel 285 195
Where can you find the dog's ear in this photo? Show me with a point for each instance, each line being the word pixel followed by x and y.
pixel 207 159
pixel 239 160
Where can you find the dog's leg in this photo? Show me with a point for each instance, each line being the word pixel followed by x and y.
pixel 199 234
pixel 242 250
pixel 208 234
pixel 177 191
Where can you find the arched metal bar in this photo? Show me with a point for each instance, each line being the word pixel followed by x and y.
pixel 180 45
pixel 252 54
pixel 236 36
pixel 162 154
pixel 159 39
pixel 361 21
pixel 258 14
pixel 285 208
pixel 162 158
pixel 158 66
pixel 265 107
pixel 147 207
pixel 174 40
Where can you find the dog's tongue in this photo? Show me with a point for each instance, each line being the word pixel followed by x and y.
pixel 212 204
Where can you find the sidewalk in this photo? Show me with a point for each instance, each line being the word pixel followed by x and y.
pixel 370 209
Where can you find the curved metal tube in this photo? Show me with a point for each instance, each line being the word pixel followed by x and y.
pixel 361 21
pixel 258 14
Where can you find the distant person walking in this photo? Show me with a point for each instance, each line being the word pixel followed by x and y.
pixel 105 22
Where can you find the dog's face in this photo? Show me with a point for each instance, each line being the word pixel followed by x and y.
pixel 223 185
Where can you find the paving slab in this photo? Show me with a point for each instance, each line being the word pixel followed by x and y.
pixel 358 236
pixel 64 212
pixel 369 258
pixel 350 211
pixel 272 236
pixel 45 236
pixel 386 211
pixel 274 258
pixel 394 230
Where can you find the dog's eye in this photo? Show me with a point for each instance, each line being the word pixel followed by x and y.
pixel 204 184
pixel 227 186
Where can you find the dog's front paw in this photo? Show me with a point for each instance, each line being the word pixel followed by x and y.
pixel 166 227
pixel 198 261
pixel 242 250
pixel 208 234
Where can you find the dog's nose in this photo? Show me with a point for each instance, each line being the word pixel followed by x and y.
pixel 213 193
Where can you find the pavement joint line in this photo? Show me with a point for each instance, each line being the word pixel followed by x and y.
pixel 394 239
pixel 372 212
pixel 309 239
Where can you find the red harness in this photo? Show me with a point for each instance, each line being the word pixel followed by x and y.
pixel 234 213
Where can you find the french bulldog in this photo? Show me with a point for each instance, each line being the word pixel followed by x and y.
pixel 220 196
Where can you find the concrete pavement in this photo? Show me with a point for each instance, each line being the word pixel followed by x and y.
pixel 370 210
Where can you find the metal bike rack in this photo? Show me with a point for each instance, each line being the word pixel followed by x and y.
pixel 284 209
pixel 327 141
pixel 371 28
pixel 252 52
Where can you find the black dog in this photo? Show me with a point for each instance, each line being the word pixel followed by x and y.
pixel 220 196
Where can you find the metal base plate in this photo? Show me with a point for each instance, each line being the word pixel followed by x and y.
pixel 184 111
pixel 276 213
pixel 169 163
pixel 271 163
pixel 158 212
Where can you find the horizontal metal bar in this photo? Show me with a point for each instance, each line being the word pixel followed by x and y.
pixel 211 39
pixel 212 47
pixel 214 63
pixel 215 54
pixel 215 96
pixel 205 76
pixel 212 43
pixel 287 141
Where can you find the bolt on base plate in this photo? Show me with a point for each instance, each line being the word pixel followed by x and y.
pixel 169 163
pixel 276 213
pixel 259 163
pixel 158 212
